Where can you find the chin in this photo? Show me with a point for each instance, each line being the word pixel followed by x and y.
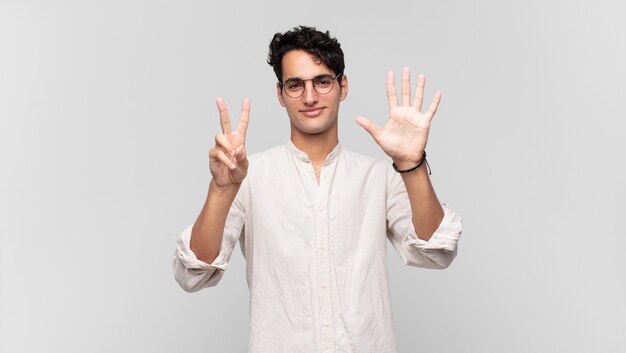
pixel 313 127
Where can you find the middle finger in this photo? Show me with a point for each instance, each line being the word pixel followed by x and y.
pixel 406 86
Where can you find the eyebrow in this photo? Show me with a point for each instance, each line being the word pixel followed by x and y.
pixel 301 79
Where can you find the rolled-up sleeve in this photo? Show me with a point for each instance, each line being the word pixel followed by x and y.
pixel 439 251
pixel 193 274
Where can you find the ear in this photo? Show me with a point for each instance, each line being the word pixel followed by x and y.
pixel 279 94
pixel 344 87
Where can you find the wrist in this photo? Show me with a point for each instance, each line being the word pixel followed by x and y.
pixel 406 166
pixel 223 189
pixel 403 164
pixel 406 162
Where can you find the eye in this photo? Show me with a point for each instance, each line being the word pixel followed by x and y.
pixel 294 85
pixel 323 81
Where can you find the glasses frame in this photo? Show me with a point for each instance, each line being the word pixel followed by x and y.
pixel 282 86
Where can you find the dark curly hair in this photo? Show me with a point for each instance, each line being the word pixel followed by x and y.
pixel 319 44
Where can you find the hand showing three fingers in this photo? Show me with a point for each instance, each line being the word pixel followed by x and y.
pixel 227 160
pixel 405 135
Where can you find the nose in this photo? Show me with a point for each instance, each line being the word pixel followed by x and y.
pixel 309 96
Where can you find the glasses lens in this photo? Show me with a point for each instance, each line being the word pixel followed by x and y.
pixel 323 84
pixel 294 88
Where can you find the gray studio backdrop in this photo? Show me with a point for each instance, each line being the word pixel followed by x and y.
pixel 107 114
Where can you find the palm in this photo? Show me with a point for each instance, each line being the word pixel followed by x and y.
pixel 406 130
pixel 404 136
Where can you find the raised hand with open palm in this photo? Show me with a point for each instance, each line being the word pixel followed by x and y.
pixel 404 136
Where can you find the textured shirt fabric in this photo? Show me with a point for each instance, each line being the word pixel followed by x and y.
pixel 316 256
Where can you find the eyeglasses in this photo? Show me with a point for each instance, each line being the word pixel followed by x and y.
pixel 294 87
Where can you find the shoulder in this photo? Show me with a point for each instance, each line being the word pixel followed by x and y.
pixel 268 161
pixel 270 157
pixel 362 161
pixel 268 154
pixel 261 169
pixel 374 168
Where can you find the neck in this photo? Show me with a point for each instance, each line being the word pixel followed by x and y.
pixel 317 146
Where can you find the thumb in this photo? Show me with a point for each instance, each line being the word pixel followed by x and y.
pixel 368 125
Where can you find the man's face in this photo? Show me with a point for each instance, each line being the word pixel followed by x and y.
pixel 311 113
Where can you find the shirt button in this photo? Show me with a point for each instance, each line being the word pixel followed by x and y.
pixel 324 285
pixel 327 324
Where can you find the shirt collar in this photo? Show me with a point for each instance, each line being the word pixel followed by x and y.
pixel 302 156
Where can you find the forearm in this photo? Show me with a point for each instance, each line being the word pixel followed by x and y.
pixel 425 207
pixel 207 232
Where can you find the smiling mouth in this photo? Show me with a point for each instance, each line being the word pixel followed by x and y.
pixel 311 113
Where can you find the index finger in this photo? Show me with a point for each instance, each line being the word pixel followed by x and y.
pixel 419 95
pixel 224 118
pixel 244 118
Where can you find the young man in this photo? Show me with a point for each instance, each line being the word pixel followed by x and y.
pixel 312 217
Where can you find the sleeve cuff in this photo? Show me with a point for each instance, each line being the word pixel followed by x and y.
pixel 189 259
pixel 446 236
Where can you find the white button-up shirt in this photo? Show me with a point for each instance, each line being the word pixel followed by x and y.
pixel 316 258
